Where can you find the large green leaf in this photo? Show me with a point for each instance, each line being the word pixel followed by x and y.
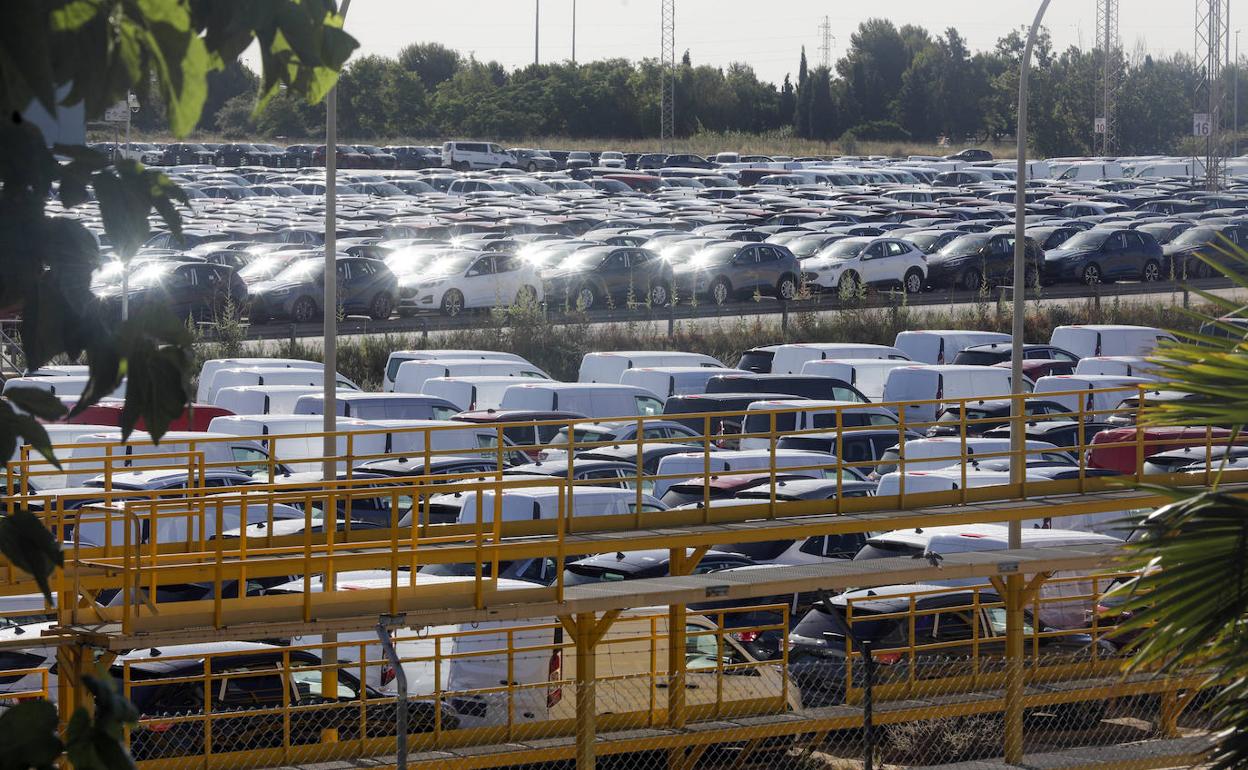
pixel 29 545
pixel 28 736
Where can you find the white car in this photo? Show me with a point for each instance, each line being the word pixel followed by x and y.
pixel 466 156
pixel 456 283
pixel 611 159
pixel 853 262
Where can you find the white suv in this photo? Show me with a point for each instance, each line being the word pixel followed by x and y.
pixel 464 156
pixel 852 263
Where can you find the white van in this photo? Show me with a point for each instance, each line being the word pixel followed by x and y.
pixel 1096 404
pixel 931 454
pixel 945 480
pixel 808 415
pixel 263 399
pixel 688 465
pixel 995 537
pixel 669 381
pixel 397 358
pixel 1118 366
pixel 1085 340
pixel 232 377
pixel 941 346
pixel 299 453
pixel 943 383
pixel 380 406
pixel 62 436
pixel 466 156
pixel 83 462
pixel 1167 167
pixel 790 359
pixel 71 386
pixel 412 375
pixel 610 366
pixel 594 400
pixel 542 502
pixel 867 375
pixel 470 393
pixel 1091 171
pixel 213 365
pixel 407 437
pixel 233 509
pixel 540 657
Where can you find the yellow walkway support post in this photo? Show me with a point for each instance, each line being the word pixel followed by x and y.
pixel 586 632
pixel 1014 603
pixel 676 649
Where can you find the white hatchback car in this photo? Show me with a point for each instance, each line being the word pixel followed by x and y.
pixel 460 282
pixel 611 159
pixel 851 263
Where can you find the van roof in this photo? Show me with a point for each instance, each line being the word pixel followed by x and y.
pixel 1112 328
pixel 922 537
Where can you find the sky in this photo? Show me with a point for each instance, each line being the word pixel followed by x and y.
pixel 766 35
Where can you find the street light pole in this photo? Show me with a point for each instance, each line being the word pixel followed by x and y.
pixel 1018 461
pixel 1235 127
pixel 329 301
pixel 574 31
pixel 537 28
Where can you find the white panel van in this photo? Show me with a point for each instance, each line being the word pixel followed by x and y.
pixel 213 365
pixel 1119 366
pixel 610 366
pixel 397 358
pixel 470 393
pixel 809 415
pixel 789 359
pixel 263 399
pixel 1097 403
pixel 594 400
pixel 941 346
pixel 228 378
pixel 667 381
pixel 867 375
pixel 942 384
pixel 687 465
pixel 380 406
pixel 299 452
pixel 71 386
pixel 412 375
pixel 1086 340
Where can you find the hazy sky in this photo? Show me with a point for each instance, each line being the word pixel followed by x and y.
pixel 767 35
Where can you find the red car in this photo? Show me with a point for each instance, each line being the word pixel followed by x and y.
pixel 196 417
pixel 1102 453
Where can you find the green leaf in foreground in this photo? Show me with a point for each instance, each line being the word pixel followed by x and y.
pixel 29 545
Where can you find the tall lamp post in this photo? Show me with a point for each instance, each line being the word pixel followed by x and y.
pixel 1235 119
pixel 1018 461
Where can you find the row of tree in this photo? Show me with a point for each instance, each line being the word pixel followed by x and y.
pixel 893 83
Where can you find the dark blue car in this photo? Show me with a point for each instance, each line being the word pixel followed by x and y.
pixel 1103 255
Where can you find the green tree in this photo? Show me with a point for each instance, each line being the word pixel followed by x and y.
pixel 801 110
pixel 877 58
pixel 235 118
pixel 433 63
pixel 233 79
pixel 93 52
pixel 823 123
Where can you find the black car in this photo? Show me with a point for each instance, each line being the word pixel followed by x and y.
pixel 299 155
pixel 983 416
pixel 239 154
pixel 971 155
pixel 1063 434
pixel 1180 255
pixel 1051 236
pixel 1103 255
pixel 198 290
pixel 979 259
pixel 723 271
pixel 650 160
pixel 257 677
pixel 686 160
pixel 380 158
pixel 365 287
pixel 855 446
pixel 411 157
pixel 996 352
pixel 636 565
pixel 687 410
pixel 598 276
pixel 185 153
pixel 604 473
pixel 950 632
pixel 787 386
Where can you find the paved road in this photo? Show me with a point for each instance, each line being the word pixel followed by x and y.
pixel 1164 292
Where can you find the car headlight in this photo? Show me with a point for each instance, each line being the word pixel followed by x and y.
pixel 278 293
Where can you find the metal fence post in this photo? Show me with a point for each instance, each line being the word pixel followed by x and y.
pixel 586 702
pixel 868 706
pixel 1014 669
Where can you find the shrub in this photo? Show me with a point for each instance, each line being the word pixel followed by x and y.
pixel 878 131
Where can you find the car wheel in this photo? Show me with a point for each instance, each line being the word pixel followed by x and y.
pixel 787 288
pixel 532 167
pixel 586 297
pixel 913 282
pixel 452 303
pixel 971 280
pixel 720 291
pixel 658 295
pixel 304 310
pixel 380 308
pixel 849 284
pixel 1091 274
pixel 527 295
pixel 1151 272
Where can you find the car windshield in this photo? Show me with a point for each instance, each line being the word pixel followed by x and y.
pixel 924 240
pixel 806 245
pixel 847 249
pixel 150 275
pixel 583 433
pixel 303 270
pixel 965 244
pixel 1196 236
pixel 716 255
pixel 582 260
pixel 449 265
pixel 1088 239
pixel 262 267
